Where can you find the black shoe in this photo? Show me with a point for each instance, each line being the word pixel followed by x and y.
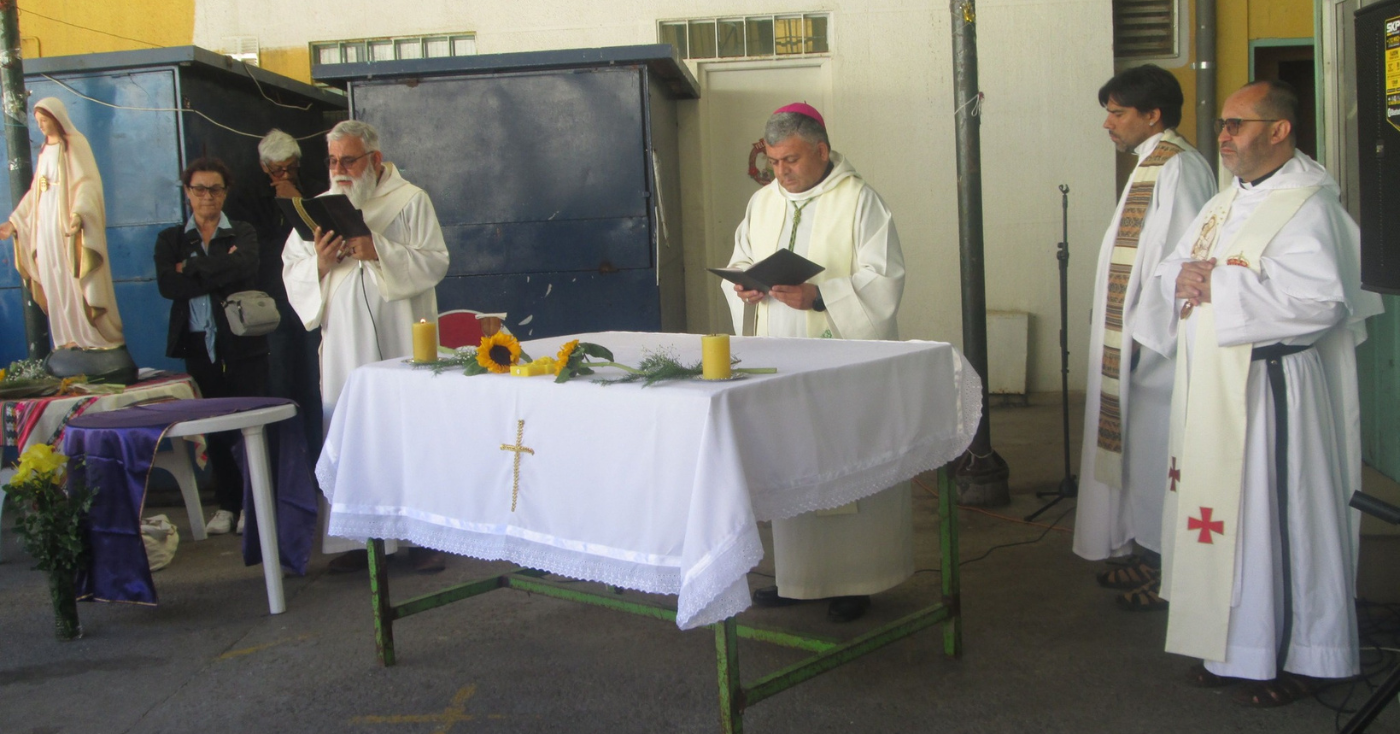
pixel 349 562
pixel 847 608
pixel 768 597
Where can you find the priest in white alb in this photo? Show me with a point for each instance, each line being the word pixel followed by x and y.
pixel 1259 546
pixel 819 207
pixel 365 293
pixel 1128 395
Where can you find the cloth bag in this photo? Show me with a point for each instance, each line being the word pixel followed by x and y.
pixel 161 539
pixel 251 313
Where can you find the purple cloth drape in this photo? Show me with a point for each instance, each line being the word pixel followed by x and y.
pixel 117 449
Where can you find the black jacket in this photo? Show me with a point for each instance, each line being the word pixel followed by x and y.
pixel 217 274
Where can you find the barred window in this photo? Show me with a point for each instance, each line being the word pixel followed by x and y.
pixel 361 50
pixel 752 36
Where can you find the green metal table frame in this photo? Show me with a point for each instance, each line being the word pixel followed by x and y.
pixel 734 697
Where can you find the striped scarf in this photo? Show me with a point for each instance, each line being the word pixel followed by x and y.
pixel 1109 462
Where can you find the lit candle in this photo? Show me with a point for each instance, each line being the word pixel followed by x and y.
pixel 425 341
pixel 715 365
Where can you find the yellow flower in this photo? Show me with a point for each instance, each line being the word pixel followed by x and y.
pixel 498 352
pixel 565 352
pixel 39 459
pixel 2 375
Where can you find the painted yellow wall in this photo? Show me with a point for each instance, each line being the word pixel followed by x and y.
pixel 294 62
pixel 1237 22
pixel 67 27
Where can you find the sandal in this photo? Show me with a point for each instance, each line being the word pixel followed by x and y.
pixel 1281 691
pixel 1130 576
pixel 1199 677
pixel 1143 599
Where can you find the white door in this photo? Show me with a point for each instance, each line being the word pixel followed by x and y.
pixel 736 100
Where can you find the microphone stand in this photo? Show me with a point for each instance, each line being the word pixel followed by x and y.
pixel 1069 486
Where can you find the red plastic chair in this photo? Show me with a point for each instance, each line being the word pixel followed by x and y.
pixel 465 328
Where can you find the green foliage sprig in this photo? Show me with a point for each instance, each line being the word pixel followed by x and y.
pixel 50 516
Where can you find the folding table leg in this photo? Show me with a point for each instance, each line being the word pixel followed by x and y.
pixel 731 693
pixel 952 582
pixel 379 598
pixel 255 451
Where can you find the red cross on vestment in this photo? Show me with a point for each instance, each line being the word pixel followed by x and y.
pixel 1174 474
pixel 1204 524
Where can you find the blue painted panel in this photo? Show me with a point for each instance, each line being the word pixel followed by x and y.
pixel 12 345
pixel 551 304
pixel 527 247
pixel 145 323
pixel 134 149
pixel 132 250
pixel 517 148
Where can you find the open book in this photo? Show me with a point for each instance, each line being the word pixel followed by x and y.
pixel 783 267
pixel 330 212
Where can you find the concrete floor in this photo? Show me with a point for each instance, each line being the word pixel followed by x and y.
pixel 1045 649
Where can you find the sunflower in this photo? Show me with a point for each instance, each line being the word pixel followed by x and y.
pixel 498 352
pixel 565 352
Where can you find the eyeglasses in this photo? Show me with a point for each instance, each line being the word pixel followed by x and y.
pixel 203 191
pixel 276 171
pixel 1232 125
pixel 345 161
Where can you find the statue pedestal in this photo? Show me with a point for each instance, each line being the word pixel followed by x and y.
pixel 113 365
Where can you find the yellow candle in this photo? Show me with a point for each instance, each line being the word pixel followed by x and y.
pixel 715 348
pixel 425 341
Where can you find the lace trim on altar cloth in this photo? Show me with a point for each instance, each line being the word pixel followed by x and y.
pixel 718 588
pixel 709 592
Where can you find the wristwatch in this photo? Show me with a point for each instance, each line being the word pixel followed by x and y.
pixel 819 305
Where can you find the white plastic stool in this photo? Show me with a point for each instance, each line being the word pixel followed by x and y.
pixel 177 462
pixel 251 422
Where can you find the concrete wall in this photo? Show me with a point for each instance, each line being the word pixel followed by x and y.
pixel 890 110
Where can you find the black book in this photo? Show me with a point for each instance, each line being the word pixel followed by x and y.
pixel 783 267
pixel 332 212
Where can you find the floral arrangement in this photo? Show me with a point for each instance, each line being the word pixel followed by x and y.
pixel 50 522
pixel 500 352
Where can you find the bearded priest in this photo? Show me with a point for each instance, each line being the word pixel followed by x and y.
pixel 365 293
pixel 819 207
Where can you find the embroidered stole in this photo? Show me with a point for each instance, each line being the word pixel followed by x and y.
pixel 1209 418
pixel 1108 460
pixel 832 244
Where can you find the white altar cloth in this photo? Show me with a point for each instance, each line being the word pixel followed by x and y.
pixel 656 489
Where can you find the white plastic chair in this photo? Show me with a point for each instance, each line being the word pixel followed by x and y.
pixel 177 462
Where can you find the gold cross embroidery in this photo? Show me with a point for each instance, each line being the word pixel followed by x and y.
pixel 519 449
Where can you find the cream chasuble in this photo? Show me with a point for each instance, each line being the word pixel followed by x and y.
pixel 865 547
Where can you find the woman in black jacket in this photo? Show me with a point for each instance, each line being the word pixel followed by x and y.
pixel 198 265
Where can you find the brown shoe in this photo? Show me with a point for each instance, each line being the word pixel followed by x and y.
pixel 1143 599
pixel 349 562
pixel 427 560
